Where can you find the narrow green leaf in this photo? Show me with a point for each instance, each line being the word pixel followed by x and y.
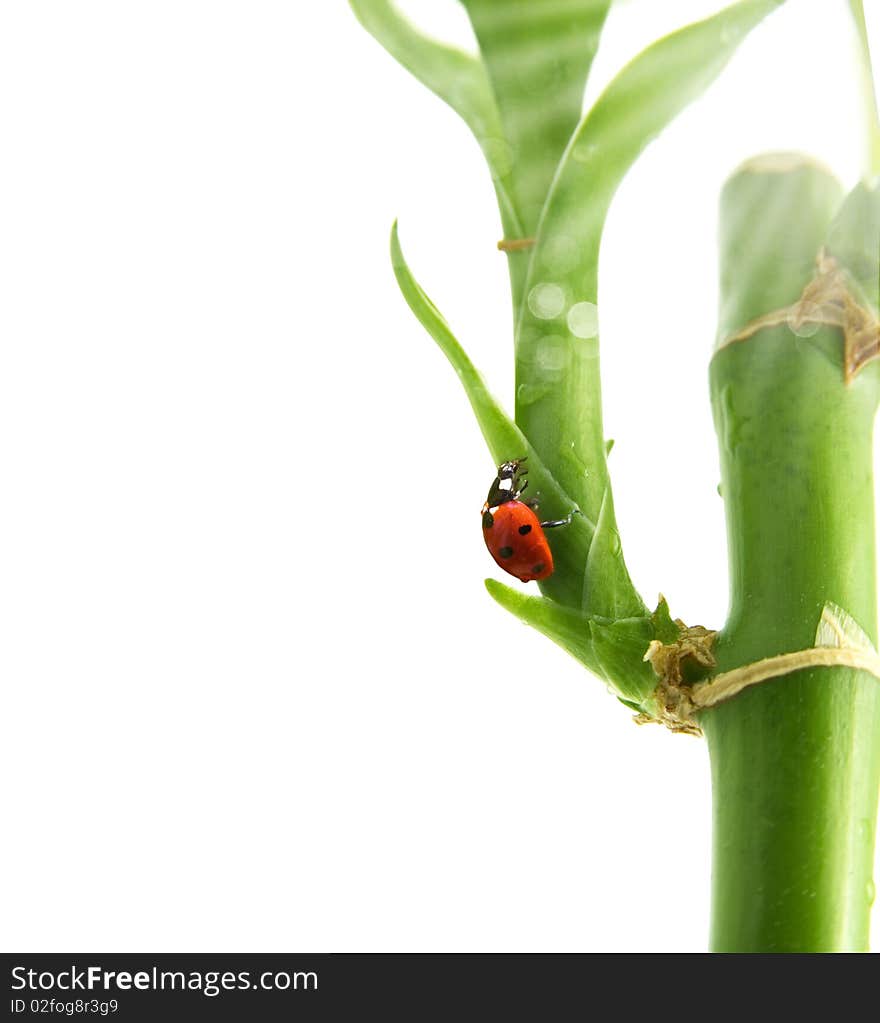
pixel 561 395
pixel 630 705
pixel 854 239
pixel 620 647
pixel 538 56
pixel 614 651
pixel 565 626
pixel 505 440
pixel 664 625
pixel 838 628
pixel 558 395
pixel 459 79
pixel 869 92
pixel 608 589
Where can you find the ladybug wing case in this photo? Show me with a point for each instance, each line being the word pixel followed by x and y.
pixel 517 542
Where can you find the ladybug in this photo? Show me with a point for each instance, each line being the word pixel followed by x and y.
pixel 512 531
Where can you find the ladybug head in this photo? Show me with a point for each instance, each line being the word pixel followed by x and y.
pixel 508 484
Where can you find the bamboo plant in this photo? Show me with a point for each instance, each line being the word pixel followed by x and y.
pixel 787 692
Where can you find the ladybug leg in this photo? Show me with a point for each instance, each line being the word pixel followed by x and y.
pixel 553 523
pixel 533 502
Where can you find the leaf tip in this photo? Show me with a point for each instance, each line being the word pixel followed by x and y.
pixel 509 598
pixel 398 260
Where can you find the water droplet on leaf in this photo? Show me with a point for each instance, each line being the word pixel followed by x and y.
pixel 803 322
pixel 551 355
pixel 528 394
pixel 546 301
pixel 583 320
pixel 584 152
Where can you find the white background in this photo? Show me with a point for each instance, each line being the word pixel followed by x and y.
pixel 255 696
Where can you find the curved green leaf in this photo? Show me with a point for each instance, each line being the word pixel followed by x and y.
pixel 558 394
pixel 608 589
pixel 538 56
pixel 869 94
pixel 614 651
pixel 619 647
pixel 663 623
pixel 459 79
pixel 565 626
pixel 505 440
pixel 562 286
pixel 854 239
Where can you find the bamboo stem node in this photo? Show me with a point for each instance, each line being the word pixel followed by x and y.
pixel 840 643
pixel 515 244
pixel 827 300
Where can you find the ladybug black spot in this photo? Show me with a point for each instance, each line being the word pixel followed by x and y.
pixel 488 520
pixel 525 530
pixel 505 552
pixel 538 569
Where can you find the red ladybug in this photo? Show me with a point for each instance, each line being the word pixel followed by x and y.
pixel 512 531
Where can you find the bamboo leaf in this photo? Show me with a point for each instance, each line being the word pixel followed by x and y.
pixel 619 647
pixel 459 79
pixel 505 440
pixel 838 628
pixel 665 629
pixel 854 239
pixel 869 92
pixel 565 626
pixel 608 589
pixel 538 56
pixel 562 292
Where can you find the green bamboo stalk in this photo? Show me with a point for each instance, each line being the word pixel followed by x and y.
pixel 796 760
